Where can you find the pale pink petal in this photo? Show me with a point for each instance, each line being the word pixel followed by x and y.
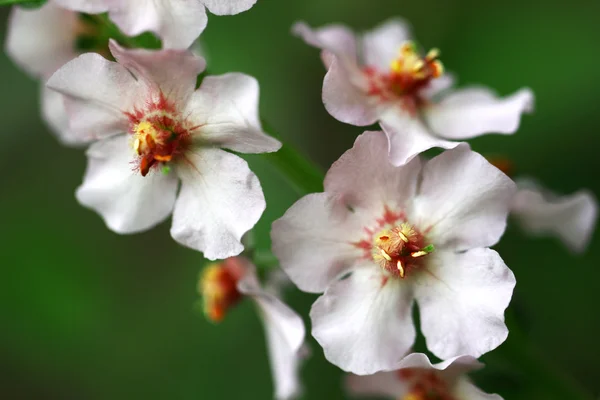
pixel 463 200
pixel 364 321
pixel 465 390
pixel 41 40
pixel 408 137
pixel 345 100
pixel 99 91
pixel 55 115
pixel 468 113
pixel 437 87
pixel 285 335
pixel 381 45
pixel 450 370
pixel 336 41
pixel 226 109
pixel 364 178
pixel 228 7
pixel 86 6
pixel 383 384
pixel 127 202
pixel 462 298
pixel 314 240
pixel 172 72
pixel 571 218
pixel 219 201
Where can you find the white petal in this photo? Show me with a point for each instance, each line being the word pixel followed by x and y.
pixel 127 201
pixel 468 113
pixel 364 321
pixel 384 384
pixel 285 336
pixel 382 44
pixel 86 6
pixel 99 91
pixel 172 72
pixel 408 137
pixel 228 7
pixel 364 178
pixel 462 298
pixel 335 40
pixel 344 100
pixel 55 115
pixel 41 40
pixel 437 87
pixel 177 22
pixel 219 201
pixel 226 108
pixel 571 218
pixel 463 200
pixel 313 241
pixel 465 390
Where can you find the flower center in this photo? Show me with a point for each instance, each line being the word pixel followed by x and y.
pixel 218 288
pixel 424 385
pixel 400 249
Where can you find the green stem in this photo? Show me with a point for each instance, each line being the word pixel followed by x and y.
pixel 23 3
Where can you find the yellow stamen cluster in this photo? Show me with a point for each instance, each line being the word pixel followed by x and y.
pixel 410 63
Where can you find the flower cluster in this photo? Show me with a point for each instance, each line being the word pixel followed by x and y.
pixel 392 227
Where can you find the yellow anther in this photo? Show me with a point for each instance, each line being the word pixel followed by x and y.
pixel 417 254
pixel 136 145
pixel 407 47
pixel 418 65
pixel 432 54
pixel 385 254
pixel 438 68
pixel 403 237
pixel 400 268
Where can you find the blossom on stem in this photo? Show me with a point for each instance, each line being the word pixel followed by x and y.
pixel 380 237
pixel 177 22
pixel 571 218
pixel 381 76
pixel 154 129
pixel 222 285
pixel 415 378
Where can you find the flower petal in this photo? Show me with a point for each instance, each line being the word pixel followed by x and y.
pixel 127 202
pixel 468 113
pixel 314 241
pixel 363 176
pixel 408 137
pixel 463 200
pixel 336 41
pixel 219 201
pixel 98 92
pixel 344 99
pixel 465 390
pixel 462 298
pixel 381 45
pixel 228 7
pixel 42 39
pixel 226 109
pixel 86 6
pixel 55 115
pixel 364 321
pixel 285 336
pixel 572 218
pixel 384 384
pixel 172 72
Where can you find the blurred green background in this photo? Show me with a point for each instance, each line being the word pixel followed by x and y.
pixel 88 314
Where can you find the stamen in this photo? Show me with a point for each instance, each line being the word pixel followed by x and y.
pixel 432 54
pixel 400 269
pixel 385 255
pixel 403 237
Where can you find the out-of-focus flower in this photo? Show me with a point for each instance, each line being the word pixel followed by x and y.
pixel 415 378
pixel 381 76
pixel 223 285
pixel 153 130
pixel 40 41
pixel 571 218
pixel 177 22
pixel 381 236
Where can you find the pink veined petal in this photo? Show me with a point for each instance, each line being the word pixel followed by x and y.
pixel 381 45
pixel 219 201
pixel 127 202
pixel 314 241
pixel 463 200
pixel 228 7
pixel 335 40
pixel 465 390
pixel 98 92
pixel 226 109
pixel 363 321
pixel 86 6
pixel 55 115
pixel 177 22
pixel 41 40
pixel 344 99
pixel 364 178
pixel 571 218
pixel 468 113
pixel 462 298
pixel 408 136
pixel 285 335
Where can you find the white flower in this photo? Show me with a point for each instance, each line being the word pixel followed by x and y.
pixel 380 76
pixel 177 22
pixel 381 236
pixel 415 378
pixel 154 130
pixel 40 41
pixel 571 218
pixel 223 285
